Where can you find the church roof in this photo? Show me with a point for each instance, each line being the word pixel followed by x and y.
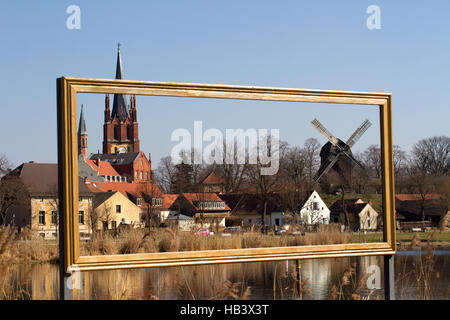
pixel 119 99
pixel 117 158
pixel 82 124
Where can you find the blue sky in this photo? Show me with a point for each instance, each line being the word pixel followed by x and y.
pixel 304 44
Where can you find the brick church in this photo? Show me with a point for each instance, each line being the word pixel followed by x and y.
pixel 121 149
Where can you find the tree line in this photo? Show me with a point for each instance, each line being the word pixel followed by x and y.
pixel 423 170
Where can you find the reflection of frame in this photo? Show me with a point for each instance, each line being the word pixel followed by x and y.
pixel 68 88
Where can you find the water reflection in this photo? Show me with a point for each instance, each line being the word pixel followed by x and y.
pixel 268 280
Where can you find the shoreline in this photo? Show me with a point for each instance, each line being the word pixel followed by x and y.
pixel 407 245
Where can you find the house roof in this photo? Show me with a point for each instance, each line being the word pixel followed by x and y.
pixel 117 158
pixel 194 198
pixel 103 168
pixel 413 208
pixel 127 188
pixel 213 178
pixel 413 197
pixel 247 204
pixel 352 206
pixel 168 200
pixel 101 197
pixel 41 179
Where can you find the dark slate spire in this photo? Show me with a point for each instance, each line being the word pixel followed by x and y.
pixel 82 124
pixel 119 99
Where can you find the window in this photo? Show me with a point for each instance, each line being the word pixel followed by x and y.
pixel 54 217
pixel 113 224
pixel 42 218
pixel 141 175
pixel 139 201
pixel 315 206
pixel 81 217
pixel 118 209
pixel 146 176
pixel 136 174
pixel 157 201
pixel 105 225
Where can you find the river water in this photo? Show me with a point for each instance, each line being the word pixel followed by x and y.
pixel 418 276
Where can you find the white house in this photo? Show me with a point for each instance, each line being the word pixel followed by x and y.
pixel 361 215
pixel 314 209
pixel 184 222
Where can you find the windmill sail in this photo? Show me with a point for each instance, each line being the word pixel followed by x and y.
pixel 358 133
pixel 325 167
pixel 324 132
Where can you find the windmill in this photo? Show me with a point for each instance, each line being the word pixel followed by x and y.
pixel 337 155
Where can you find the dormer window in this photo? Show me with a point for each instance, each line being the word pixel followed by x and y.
pixel 211 205
pixel 139 201
pixel 157 202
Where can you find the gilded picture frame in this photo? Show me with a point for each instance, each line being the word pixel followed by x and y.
pixel 67 90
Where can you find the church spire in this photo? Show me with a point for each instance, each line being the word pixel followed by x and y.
pixel 82 136
pixel 82 123
pixel 119 99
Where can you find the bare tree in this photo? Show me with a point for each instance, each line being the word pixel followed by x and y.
pixel 429 161
pixel 12 193
pixel 311 154
pixel 294 175
pixel 150 195
pixel 165 174
pixel 432 156
pixel 5 165
pixel 105 214
pixel 371 158
pixel 266 185
pixel 420 183
pixel 232 172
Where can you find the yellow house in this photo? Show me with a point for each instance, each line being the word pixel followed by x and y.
pixel 112 209
pixel 38 195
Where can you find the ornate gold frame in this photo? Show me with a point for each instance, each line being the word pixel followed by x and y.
pixel 67 89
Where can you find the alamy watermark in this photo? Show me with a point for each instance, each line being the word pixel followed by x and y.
pixel 239 146
pixel 74 20
pixel 373 22
pixel 74 280
pixel 374 278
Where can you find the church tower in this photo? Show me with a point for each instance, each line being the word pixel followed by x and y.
pixel 82 136
pixel 120 130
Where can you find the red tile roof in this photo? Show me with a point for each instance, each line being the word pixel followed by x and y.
pixel 126 188
pixel 414 197
pixel 103 168
pixel 194 197
pixel 213 178
pixel 168 200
